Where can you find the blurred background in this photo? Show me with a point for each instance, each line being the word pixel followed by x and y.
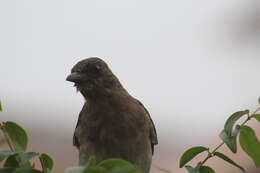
pixel 192 64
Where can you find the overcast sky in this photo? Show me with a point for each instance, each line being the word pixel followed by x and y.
pixel 191 63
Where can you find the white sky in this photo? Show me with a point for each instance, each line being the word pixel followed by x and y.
pixel 191 63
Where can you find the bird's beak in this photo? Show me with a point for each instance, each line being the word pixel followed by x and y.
pixel 75 77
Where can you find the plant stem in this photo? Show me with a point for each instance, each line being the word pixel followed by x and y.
pixel 6 137
pixel 256 110
pixel 220 145
pixel 210 154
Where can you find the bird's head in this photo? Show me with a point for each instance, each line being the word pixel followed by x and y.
pixel 92 77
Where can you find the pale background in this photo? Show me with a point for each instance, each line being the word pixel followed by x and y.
pixel 192 64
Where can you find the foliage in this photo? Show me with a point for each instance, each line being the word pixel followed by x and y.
pixel 19 160
pixel 247 140
pixel 106 166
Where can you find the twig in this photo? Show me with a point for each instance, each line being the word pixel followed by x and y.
pixel 210 154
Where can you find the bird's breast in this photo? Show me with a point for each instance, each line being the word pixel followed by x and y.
pixel 113 120
pixel 113 126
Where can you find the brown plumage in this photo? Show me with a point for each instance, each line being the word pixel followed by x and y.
pixel 111 124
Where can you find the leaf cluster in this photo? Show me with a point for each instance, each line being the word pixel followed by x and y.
pixel 247 140
pixel 105 166
pixel 18 160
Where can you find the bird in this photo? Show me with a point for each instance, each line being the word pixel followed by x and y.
pixel 112 123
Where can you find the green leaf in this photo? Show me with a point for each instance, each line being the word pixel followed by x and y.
pixel 190 154
pixel 250 144
pixel 1 108
pixel 24 159
pixel 206 169
pixel 232 119
pixel 256 116
pixel 224 157
pixel 20 159
pixel 236 131
pixel 91 161
pixel 5 154
pixel 230 141
pixel 17 135
pixel 2 138
pixel 125 169
pixel 12 162
pixel 191 169
pixel 7 170
pixel 111 163
pixel 27 170
pixel 94 169
pixel 46 162
pixel 118 166
pixel 78 169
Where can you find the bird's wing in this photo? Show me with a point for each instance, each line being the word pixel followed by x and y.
pixel 153 134
pixel 75 138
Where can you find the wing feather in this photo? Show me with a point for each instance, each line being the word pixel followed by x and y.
pixel 75 138
pixel 153 134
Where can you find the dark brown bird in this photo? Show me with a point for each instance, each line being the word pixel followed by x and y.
pixel 111 124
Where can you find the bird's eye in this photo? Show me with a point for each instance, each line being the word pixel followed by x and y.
pixel 95 69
